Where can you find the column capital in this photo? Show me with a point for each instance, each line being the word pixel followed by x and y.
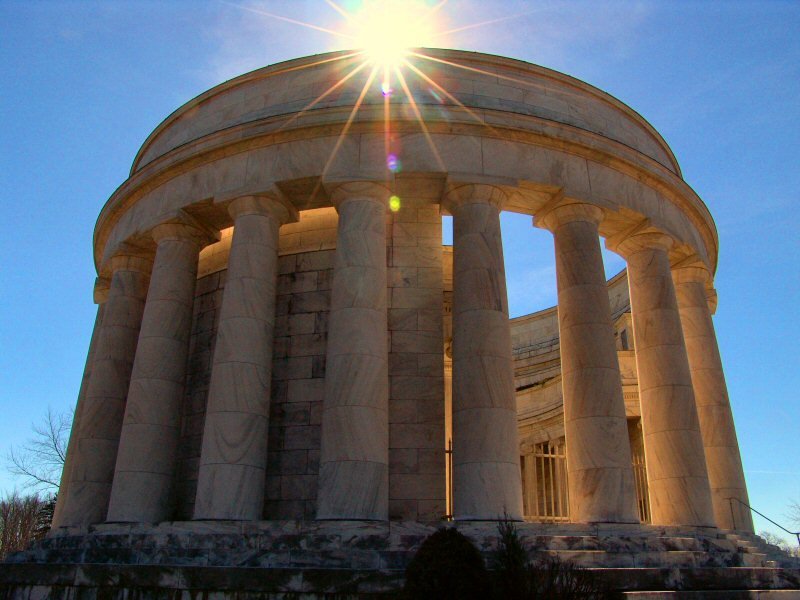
pixel 342 191
pixel 101 288
pixel 696 272
pixel 634 244
pixel 182 226
pixel 473 193
pixel 271 205
pixel 713 299
pixel 691 274
pixel 131 258
pixel 553 215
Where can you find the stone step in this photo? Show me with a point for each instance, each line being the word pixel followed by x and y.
pixel 355 558
pixel 675 558
pixel 754 559
pixel 693 579
pixel 715 595
pixel 774 554
pixel 374 551
pixel 312 541
pixel 27 581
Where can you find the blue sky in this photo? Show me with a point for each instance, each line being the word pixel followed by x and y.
pixel 83 83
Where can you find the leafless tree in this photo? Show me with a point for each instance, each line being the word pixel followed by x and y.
pixel 22 520
pixel 40 460
pixel 776 540
pixel 794 512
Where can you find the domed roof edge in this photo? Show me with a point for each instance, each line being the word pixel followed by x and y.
pixel 437 53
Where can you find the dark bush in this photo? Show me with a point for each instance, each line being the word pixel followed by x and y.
pixel 514 577
pixel 446 567
pixel 512 574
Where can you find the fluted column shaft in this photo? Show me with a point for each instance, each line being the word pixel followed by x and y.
pixel 234 453
pixel 145 469
pixel 601 485
pixel 104 405
pixel 354 458
pixel 676 467
pixel 100 295
pixel 725 473
pixel 486 468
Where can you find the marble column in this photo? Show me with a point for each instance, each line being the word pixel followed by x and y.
pixel 100 297
pixel 725 473
pixel 354 457
pixel 486 468
pixel 676 466
pixel 600 473
pixel 145 469
pixel 104 405
pixel 233 458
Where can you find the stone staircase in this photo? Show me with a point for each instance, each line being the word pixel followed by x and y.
pixel 367 559
pixel 754 544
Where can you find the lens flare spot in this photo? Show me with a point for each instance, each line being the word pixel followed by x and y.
pixel 386 29
pixel 394 203
pixel 393 163
pixel 386 89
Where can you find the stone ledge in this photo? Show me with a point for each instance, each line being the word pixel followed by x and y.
pixel 23 581
pixel 364 558
pixel 206 579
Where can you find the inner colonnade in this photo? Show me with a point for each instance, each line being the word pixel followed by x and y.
pixel 124 451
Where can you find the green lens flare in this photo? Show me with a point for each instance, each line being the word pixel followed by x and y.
pixel 394 203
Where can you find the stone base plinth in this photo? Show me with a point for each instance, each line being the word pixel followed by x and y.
pixel 362 559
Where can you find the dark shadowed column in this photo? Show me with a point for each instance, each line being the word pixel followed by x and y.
pixel 233 459
pixel 145 469
pixel 100 297
pixel 354 458
pixel 104 406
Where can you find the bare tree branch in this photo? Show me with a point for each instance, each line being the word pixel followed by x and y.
pixel 794 512
pixel 40 460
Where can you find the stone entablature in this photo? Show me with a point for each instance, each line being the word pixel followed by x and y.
pixel 314 362
pixel 616 161
pixel 509 86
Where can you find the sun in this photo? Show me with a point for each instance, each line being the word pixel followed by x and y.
pixel 385 30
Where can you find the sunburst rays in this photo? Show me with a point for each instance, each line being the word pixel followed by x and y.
pixel 391 71
pixel 418 114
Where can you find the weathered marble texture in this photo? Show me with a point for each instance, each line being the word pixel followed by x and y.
pixel 676 465
pixel 725 473
pixel 145 468
pixel 354 455
pixel 234 452
pixel 601 484
pixel 101 295
pixel 104 405
pixel 486 470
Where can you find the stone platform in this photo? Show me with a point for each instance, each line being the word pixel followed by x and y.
pixel 270 559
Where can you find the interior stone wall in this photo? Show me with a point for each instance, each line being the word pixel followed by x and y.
pixel 208 300
pixel 298 370
pixel 415 340
pixel 416 363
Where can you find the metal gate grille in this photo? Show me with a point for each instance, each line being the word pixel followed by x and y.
pixel 640 479
pixel 544 481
